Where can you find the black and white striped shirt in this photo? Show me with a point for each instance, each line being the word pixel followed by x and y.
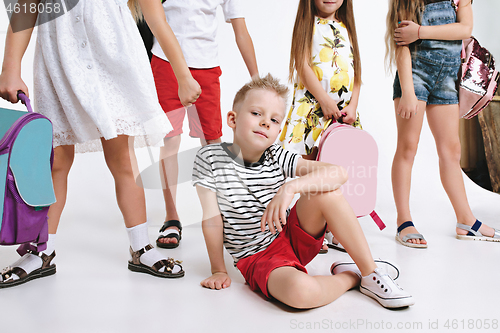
pixel 243 192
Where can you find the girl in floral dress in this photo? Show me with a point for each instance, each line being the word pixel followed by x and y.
pixel 326 71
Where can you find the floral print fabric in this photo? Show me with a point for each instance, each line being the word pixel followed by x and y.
pixel 332 62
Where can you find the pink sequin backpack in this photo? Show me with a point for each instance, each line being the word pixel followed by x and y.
pixel 477 79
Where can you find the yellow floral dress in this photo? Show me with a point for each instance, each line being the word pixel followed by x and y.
pixel 332 62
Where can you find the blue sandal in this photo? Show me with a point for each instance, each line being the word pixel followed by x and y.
pixel 409 236
pixel 474 234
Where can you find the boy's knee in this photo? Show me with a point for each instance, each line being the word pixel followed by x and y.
pixel 305 291
pixel 343 176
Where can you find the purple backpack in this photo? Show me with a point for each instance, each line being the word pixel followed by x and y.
pixel 26 156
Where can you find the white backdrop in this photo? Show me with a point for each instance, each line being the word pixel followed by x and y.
pixel 270 24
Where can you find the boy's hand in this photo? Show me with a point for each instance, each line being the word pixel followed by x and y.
pixel 189 91
pixel 408 106
pixel 350 116
pixel 10 84
pixel 276 209
pixel 406 33
pixel 218 280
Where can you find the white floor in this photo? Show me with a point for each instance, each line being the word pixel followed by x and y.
pixel 454 282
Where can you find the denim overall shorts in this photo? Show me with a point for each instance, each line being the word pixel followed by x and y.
pixel 435 63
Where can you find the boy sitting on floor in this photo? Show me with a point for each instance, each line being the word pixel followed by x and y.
pixel 245 202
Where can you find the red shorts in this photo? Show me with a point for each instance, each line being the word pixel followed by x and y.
pixel 293 247
pixel 204 116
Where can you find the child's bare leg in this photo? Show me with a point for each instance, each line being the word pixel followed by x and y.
pixel 313 210
pixel 120 158
pixel 63 160
pixel 444 123
pixel 169 171
pixel 408 138
pixel 299 290
pixel 204 142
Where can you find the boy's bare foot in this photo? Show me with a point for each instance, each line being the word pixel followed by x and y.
pixel 170 234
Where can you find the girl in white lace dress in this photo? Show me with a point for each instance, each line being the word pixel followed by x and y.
pixel 92 79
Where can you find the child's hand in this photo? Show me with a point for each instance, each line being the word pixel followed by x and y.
pixel 330 109
pixel 189 91
pixel 218 280
pixel 10 84
pixel 406 33
pixel 350 114
pixel 407 106
pixel 275 214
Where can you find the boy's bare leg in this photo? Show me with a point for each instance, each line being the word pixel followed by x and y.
pixel 313 210
pixel 300 290
pixel 209 142
pixel 169 170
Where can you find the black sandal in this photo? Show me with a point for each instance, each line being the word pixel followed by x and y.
pixel 171 234
pixel 135 265
pixel 46 270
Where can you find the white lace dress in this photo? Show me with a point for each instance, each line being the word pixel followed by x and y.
pixel 92 78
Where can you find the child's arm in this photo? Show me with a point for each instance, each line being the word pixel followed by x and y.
pixel 409 31
pixel 15 47
pixel 153 12
pixel 245 45
pixel 408 103
pixel 350 110
pixel 313 177
pixel 311 82
pixel 212 227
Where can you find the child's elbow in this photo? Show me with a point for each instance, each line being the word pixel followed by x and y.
pixel 468 31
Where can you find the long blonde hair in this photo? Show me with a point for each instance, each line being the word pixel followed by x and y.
pixel 135 8
pixel 399 10
pixel 302 36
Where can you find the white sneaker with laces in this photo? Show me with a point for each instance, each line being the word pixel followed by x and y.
pixel 342 266
pixel 381 287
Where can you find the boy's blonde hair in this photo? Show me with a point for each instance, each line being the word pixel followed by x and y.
pixel 268 82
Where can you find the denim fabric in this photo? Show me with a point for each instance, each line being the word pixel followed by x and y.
pixel 435 63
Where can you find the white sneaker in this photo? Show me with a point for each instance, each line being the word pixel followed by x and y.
pixel 380 286
pixel 387 267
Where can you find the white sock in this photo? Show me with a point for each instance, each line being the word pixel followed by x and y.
pixel 51 245
pixel 29 262
pixel 139 238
